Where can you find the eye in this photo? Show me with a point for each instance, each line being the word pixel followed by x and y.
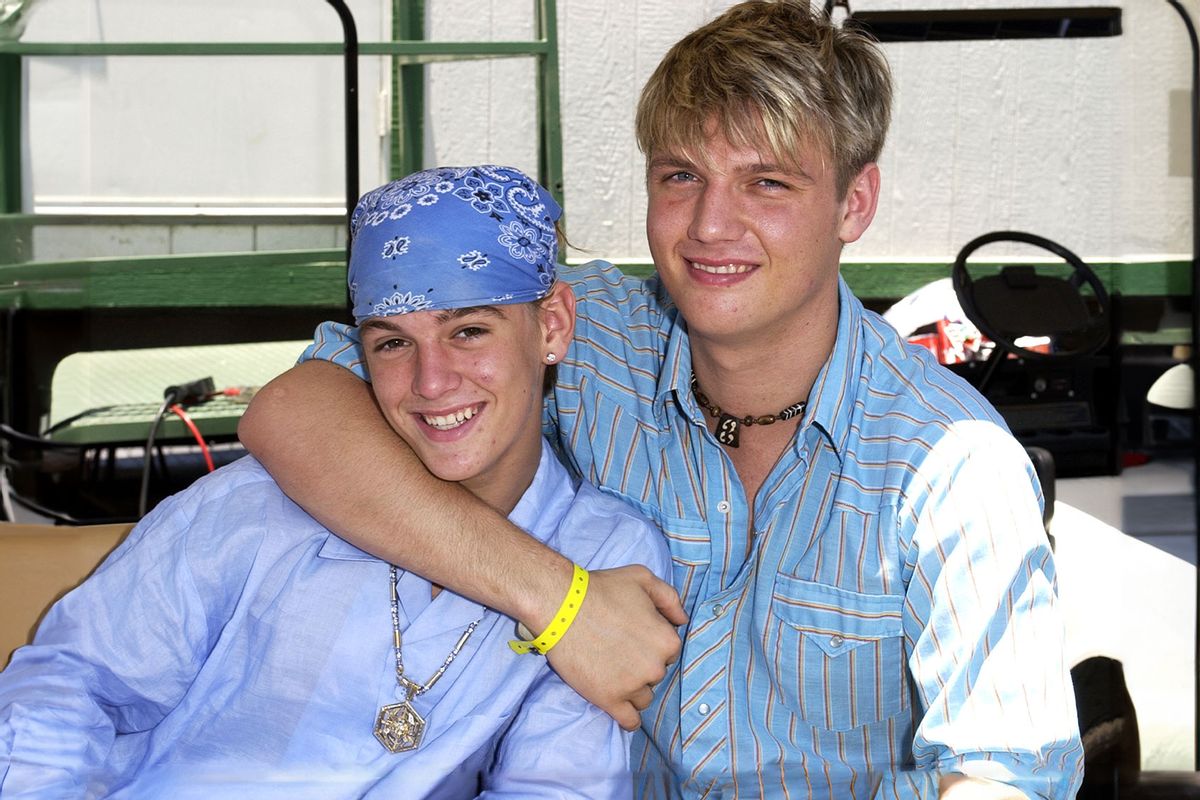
pixel 470 332
pixel 679 176
pixel 771 183
pixel 386 344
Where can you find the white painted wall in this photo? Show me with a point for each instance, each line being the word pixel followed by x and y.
pixel 190 131
pixel 1071 139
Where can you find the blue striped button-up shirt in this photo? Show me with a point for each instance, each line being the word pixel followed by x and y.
pixel 884 610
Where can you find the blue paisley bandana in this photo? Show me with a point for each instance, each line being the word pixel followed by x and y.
pixel 452 237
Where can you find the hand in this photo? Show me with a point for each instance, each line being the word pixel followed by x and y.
pixel 621 643
pixel 954 786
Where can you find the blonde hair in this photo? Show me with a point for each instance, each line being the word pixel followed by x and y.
pixel 771 72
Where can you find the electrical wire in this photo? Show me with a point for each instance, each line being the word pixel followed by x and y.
pixel 144 494
pixel 6 495
pixel 178 411
pixel 10 433
pixel 59 516
pixel 63 423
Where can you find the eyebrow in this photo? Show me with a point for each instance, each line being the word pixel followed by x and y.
pixel 455 313
pixel 660 162
pixel 755 168
pixel 389 323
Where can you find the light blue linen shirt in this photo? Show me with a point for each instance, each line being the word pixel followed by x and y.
pixel 233 647
pixel 884 610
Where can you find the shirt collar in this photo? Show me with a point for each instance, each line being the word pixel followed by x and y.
pixel 675 379
pixel 831 401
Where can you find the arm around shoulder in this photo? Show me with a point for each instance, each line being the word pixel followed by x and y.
pixel 318 431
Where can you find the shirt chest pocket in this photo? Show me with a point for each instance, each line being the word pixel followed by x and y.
pixel 837 655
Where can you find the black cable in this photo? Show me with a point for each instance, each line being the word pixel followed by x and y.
pixel 144 495
pixel 62 423
pixel 11 434
pixel 59 516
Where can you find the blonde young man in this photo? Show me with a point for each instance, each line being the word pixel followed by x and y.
pixel 856 537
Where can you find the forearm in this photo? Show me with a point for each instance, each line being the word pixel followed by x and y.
pixel 929 784
pixel 318 431
pixel 960 787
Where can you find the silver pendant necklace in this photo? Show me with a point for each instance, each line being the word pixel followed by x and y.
pixel 399 727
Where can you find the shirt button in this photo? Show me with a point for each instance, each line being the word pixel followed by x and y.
pixel 723 506
pixel 703 709
pixel 718 610
pixel 836 641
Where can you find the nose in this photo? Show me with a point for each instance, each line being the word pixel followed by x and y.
pixel 435 373
pixel 716 215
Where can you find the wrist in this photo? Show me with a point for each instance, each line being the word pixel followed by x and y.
pixel 542 590
pixel 564 617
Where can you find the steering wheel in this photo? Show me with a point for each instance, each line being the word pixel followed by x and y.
pixel 1020 302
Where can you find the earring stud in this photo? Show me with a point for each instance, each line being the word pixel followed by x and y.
pixel 551 358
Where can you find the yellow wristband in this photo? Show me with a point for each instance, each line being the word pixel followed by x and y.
pixel 540 645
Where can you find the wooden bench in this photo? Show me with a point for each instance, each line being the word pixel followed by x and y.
pixel 38 565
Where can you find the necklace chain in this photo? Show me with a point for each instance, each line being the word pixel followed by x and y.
pixel 728 425
pixel 412 688
pixel 399 727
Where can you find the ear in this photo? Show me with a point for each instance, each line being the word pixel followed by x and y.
pixel 858 208
pixel 556 313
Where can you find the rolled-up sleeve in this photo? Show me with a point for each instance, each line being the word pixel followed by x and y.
pixel 982 621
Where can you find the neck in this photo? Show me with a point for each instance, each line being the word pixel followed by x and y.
pixel 503 489
pixel 761 371
pixel 763 377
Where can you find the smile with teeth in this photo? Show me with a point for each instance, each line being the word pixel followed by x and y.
pixel 450 421
pixel 722 269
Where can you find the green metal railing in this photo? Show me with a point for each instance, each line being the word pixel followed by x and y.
pixel 409 53
pixel 300 278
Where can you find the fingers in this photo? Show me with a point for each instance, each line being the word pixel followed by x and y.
pixel 621 643
pixel 642 698
pixel 666 600
pixel 626 716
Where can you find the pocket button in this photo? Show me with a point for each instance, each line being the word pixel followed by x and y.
pixel 836 641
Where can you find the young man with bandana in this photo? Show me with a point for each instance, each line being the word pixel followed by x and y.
pixel 233 647
pixel 856 537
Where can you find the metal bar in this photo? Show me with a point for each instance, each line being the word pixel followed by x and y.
pixel 14 243
pixel 196 263
pixel 1195 356
pixel 550 165
pixel 171 283
pixel 350 67
pixel 417 51
pixel 10 134
pixel 408 92
pixel 871 281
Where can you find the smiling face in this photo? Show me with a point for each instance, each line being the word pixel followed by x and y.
pixel 463 387
pixel 749 246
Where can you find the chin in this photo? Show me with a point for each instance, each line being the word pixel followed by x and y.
pixel 453 474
